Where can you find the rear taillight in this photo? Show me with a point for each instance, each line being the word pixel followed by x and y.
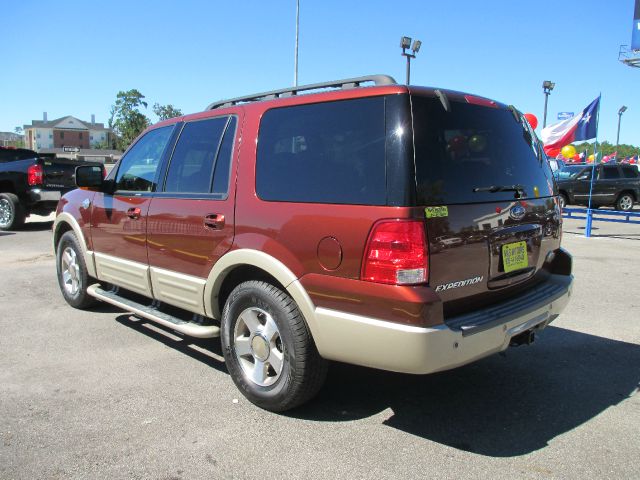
pixel 35 175
pixel 396 253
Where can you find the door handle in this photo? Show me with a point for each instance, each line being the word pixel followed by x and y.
pixel 214 221
pixel 133 213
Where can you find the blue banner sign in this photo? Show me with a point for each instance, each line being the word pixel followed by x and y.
pixel 564 115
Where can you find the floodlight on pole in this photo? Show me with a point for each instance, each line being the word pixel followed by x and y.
pixel 620 112
pixel 405 43
pixel 547 86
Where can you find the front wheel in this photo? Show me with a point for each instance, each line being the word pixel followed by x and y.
pixel 268 348
pixel 72 272
pixel 624 202
pixel 563 200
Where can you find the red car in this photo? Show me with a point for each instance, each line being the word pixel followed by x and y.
pixel 297 228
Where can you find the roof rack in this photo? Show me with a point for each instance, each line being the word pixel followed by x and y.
pixel 288 92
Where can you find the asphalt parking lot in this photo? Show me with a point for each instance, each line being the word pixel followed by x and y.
pixel 102 395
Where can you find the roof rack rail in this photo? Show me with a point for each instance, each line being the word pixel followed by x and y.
pixel 288 92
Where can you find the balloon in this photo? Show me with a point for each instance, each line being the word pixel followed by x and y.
pixel 477 143
pixel 568 151
pixel 532 119
pixel 590 158
pixel 576 157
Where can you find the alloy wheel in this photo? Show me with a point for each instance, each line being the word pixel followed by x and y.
pixel 70 271
pixel 258 346
pixel 5 212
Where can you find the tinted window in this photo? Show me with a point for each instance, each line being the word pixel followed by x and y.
pixel 137 170
pixel 193 159
pixel 331 152
pixel 221 175
pixel 569 171
pixel 630 172
pixel 11 154
pixel 472 147
pixel 610 173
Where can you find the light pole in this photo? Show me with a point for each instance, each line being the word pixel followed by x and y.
pixel 547 86
pixel 405 42
pixel 295 67
pixel 620 112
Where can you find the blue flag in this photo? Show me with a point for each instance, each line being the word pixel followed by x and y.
pixel 587 127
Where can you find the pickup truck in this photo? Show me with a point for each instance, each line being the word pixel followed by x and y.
pixel 31 183
pixel 617 185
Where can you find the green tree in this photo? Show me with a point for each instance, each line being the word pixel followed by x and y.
pixel 165 112
pixel 606 148
pixel 126 120
pixel 20 142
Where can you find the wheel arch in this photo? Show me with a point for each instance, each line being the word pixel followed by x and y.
pixel 64 223
pixel 242 265
pixel 630 192
pixel 7 187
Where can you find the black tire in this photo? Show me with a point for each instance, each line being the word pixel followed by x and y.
pixel 72 272
pixel 12 213
pixel 624 202
pixel 564 201
pixel 302 370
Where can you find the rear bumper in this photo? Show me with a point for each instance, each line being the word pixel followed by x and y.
pixel 37 195
pixel 403 348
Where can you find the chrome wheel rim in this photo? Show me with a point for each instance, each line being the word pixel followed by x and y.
pixel 70 271
pixel 258 347
pixel 626 203
pixel 5 212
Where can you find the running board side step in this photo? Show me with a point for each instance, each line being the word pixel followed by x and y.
pixel 151 313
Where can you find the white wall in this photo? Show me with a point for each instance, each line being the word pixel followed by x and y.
pixel 97 136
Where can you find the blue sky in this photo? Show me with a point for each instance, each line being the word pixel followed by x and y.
pixel 72 57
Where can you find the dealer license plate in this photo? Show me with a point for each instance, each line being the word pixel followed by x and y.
pixel 514 256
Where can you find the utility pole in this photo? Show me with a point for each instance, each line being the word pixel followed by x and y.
pixel 295 73
pixel 620 112
pixel 547 86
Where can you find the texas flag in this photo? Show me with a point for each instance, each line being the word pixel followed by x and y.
pixel 581 127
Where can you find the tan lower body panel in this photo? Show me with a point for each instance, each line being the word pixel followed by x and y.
pixel 402 348
pixel 183 291
pixel 133 276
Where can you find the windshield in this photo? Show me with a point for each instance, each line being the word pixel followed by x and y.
pixel 474 153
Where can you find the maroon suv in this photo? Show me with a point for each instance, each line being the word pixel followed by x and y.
pixel 401 228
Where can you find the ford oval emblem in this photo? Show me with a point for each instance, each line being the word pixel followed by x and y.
pixel 517 212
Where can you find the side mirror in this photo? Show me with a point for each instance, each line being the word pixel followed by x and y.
pixel 90 176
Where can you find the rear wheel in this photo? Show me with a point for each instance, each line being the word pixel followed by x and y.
pixel 268 348
pixel 72 272
pixel 12 213
pixel 624 202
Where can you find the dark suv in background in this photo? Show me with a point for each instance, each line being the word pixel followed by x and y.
pixel 614 185
pixel 302 228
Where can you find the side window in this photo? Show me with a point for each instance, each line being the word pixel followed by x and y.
pixel 630 172
pixel 332 152
pixel 610 173
pixel 194 157
pixel 221 175
pixel 137 170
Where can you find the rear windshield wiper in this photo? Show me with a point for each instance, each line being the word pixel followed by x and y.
pixel 519 189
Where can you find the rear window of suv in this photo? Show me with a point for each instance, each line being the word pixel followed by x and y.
pixel 471 147
pixel 331 152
